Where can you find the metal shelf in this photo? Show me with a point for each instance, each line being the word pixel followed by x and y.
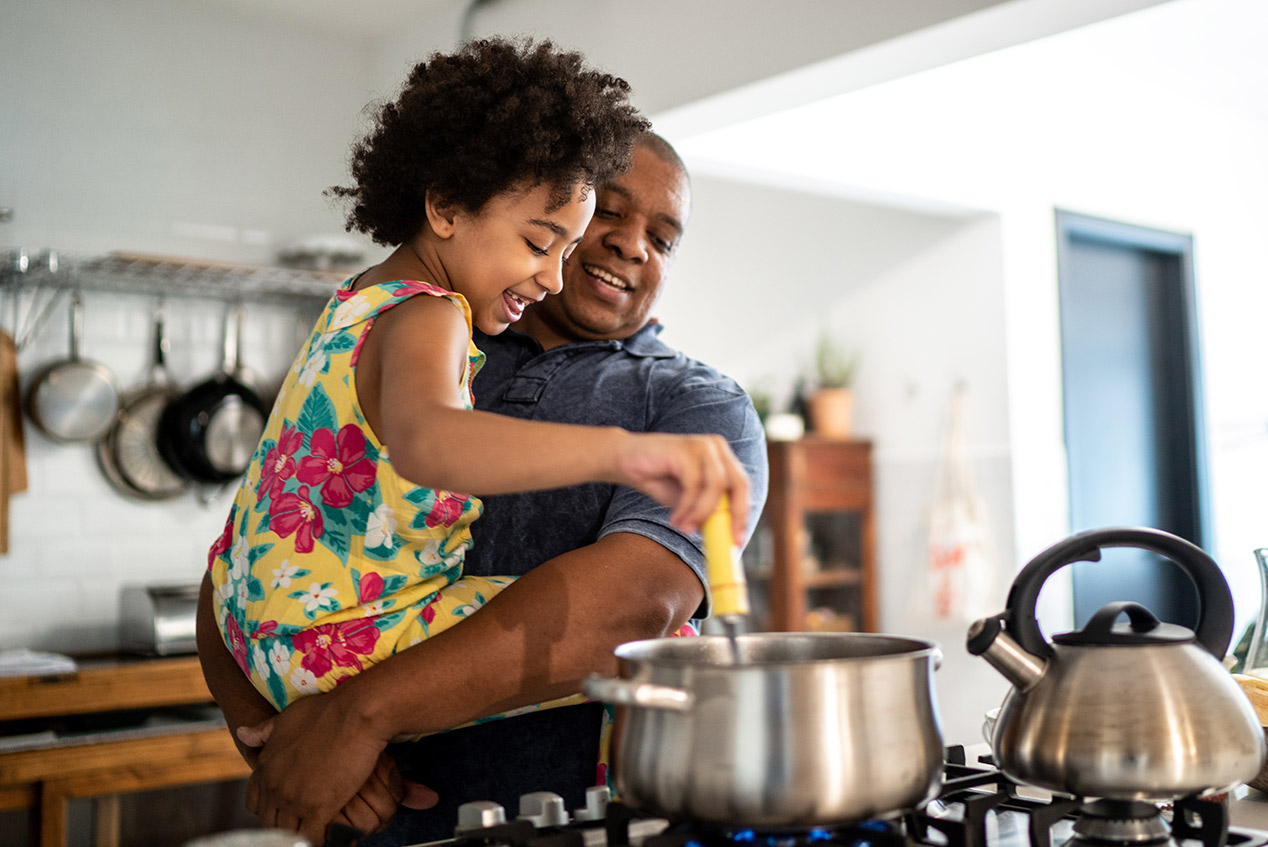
pixel 145 274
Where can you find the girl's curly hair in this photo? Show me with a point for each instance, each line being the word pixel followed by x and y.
pixel 475 123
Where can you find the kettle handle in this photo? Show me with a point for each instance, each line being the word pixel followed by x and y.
pixel 1215 602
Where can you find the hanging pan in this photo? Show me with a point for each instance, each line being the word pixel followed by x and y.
pixel 74 399
pixel 209 433
pixel 129 453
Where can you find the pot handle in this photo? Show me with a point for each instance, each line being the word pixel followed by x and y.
pixel 626 692
pixel 1214 629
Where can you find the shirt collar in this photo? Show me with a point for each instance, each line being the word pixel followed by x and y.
pixel 645 343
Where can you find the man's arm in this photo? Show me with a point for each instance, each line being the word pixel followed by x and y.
pixel 375 802
pixel 535 641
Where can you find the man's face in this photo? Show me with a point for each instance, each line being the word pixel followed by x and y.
pixel 613 278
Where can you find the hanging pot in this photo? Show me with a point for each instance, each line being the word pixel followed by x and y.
pixel 129 453
pixel 209 433
pixel 1140 710
pixel 75 399
pixel 797 730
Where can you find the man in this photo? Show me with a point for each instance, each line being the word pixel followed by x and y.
pixel 598 565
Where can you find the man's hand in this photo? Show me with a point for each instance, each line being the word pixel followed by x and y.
pixel 376 802
pixel 315 766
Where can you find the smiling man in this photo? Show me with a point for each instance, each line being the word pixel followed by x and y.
pixel 610 565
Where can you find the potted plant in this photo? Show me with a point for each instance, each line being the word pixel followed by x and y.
pixel 830 403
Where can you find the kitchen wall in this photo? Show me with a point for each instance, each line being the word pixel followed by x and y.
pixel 166 128
pixel 921 296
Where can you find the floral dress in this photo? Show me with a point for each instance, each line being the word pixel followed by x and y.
pixel 330 561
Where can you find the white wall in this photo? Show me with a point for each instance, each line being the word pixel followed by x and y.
pixel 154 127
pixel 762 271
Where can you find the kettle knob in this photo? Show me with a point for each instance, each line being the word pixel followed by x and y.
pixel 1214 629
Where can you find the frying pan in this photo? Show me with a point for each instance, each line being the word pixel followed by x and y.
pixel 129 453
pixel 209 433
pixel 74 399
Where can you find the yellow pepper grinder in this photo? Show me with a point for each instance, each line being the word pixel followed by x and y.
pixel 724 569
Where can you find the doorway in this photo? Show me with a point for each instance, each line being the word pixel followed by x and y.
pixel 1133 405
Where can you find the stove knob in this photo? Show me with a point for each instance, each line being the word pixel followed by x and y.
pixel 479 815
pixel 597 798
pixel 543 808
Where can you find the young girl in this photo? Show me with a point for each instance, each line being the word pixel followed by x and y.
pixel 345 541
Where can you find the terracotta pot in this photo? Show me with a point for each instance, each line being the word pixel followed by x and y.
pixel 831 412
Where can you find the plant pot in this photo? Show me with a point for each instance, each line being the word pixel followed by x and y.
pixel 831 412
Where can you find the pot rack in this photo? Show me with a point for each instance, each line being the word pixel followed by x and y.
pixel 50 273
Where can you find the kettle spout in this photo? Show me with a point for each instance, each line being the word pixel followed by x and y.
pixel 988 640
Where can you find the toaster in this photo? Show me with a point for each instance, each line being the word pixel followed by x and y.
pixel 158 620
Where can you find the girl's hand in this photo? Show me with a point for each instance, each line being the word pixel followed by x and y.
pixel 688 473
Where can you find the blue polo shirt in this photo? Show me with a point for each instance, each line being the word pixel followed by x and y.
pixel 640 384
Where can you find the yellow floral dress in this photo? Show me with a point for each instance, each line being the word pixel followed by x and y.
pixel 330 561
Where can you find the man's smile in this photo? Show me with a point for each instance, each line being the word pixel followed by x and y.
pixel 607 278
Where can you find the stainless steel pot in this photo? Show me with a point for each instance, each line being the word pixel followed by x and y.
pixel 806 729
pixel 75 399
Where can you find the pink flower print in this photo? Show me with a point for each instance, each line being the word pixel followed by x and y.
pixel 237 643
pixel 371 587
pixel 264 630
pixel 428 613
pixel 447 509
pixel 222 544
pixel 338 464
pixel 293 512
pixel 336 645
pixel 279 463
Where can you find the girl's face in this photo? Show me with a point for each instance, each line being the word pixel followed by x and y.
pixel 509 255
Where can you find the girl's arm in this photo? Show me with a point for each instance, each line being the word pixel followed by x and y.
pixel 408 381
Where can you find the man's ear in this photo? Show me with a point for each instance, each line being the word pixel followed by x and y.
pixel 440 214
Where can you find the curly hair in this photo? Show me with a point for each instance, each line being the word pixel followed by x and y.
pixel 472 124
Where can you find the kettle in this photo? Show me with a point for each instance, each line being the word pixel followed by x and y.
pixel 1139 710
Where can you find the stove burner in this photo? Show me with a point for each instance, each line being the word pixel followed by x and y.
pixel 971 792
pixel 867 834
pixel 1120 822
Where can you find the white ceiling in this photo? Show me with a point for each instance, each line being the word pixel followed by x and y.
pixel 1179 60
pixel 361 19
pixel 1213 48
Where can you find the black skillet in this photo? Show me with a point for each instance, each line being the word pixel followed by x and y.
pixel 209 433
pixel 128 453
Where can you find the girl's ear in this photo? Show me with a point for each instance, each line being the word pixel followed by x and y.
pixel 440 214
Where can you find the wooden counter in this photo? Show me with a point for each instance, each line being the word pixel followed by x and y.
pixel 44 774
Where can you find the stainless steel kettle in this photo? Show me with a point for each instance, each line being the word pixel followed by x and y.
pixel 1140 710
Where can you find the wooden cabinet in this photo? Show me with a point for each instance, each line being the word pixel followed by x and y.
pixel 812 564
pixel 44 775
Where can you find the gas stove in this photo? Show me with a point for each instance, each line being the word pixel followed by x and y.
pixel 977 807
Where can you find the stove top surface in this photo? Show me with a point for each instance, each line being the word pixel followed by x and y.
pixel 977 807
